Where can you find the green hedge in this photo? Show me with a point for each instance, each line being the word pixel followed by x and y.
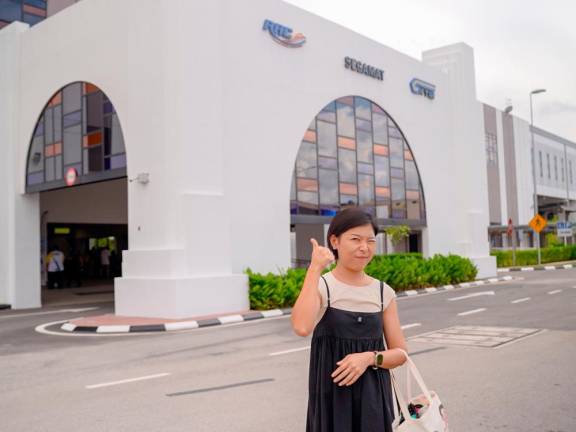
pixel 400 271
pixel 530 256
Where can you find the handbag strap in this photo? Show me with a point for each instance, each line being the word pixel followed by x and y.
pixel 397 407
pixel 411 368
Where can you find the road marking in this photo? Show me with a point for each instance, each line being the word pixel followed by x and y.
pixel 555 291
pixel 483 293
pixel 521 339
pixel 407 326
pixel 113 383
pixel 520 300
pixel 478 336
pixel 470 312
pixel 50 312
pixel 224 387
pixel 289 351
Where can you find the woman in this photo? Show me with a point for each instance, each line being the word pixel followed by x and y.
pixel 349 382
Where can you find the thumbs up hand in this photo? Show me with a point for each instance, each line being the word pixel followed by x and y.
pixel 321 256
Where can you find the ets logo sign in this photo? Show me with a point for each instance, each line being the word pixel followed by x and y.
pixel 419 87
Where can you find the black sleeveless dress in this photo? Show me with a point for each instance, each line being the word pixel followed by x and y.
pixel 366 405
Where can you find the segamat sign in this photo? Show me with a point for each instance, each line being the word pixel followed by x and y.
pixel 363 68
pixel 284 35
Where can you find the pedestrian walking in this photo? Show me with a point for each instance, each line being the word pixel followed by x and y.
pixel 105 263
pixel 348 312
pixel 55 268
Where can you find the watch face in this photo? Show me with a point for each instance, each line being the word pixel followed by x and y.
pixel 379 359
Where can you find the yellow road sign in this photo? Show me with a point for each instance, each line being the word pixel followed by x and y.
pixel 537 223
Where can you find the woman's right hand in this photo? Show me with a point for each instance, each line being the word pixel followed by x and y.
pixel 321 256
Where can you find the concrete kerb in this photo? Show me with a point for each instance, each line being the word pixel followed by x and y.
pixel 250 316
pixel 537 268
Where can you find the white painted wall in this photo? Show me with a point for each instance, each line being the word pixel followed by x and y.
pixel 464 159
pixel 19 222
pixel 215 111
pixel 524 180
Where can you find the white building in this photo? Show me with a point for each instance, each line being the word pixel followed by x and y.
pixel 209 115
pixel 511 183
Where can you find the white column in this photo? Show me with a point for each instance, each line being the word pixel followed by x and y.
pixel 19 213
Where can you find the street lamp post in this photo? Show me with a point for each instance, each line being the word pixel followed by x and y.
pixel 537 235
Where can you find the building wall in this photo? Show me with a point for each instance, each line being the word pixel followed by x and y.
pixel 515 168
pixel 19 217
pixel 510 168
pixel 552 146
pixel 55 6
pixel 216 119
pixel 493 166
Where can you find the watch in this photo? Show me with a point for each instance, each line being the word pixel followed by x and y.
pixel 378 359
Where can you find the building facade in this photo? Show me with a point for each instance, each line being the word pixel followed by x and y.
pixel 508 142
pixel 223 137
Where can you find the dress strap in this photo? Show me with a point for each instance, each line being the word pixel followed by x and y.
pixel 327 290
pixel 381 296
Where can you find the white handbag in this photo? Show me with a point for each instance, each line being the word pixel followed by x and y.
pixel 423 413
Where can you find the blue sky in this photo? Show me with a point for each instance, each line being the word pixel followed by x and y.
pixel 518 45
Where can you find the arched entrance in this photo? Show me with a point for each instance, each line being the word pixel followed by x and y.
pixel 354 154
pixel 77 163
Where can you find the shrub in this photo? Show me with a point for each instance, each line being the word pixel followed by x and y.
pixel 400 271
pixel 530 256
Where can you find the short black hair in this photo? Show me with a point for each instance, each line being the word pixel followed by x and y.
pixel 347 219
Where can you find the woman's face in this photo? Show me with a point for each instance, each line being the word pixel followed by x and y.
pixel 356 247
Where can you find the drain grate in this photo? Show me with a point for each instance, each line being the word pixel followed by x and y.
pixel 487 337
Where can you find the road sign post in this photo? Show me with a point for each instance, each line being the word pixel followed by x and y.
pixel 512 237
pixel 538 223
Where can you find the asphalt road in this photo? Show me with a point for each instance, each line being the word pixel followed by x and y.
pixel 253 376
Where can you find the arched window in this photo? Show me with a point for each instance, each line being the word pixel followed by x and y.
pixel 353 153
pixel 77 140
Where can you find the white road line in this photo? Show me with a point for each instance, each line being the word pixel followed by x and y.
pixel 471 312
pixel 407 326
pixel 483 293
pixel 50 312
pixel 520 300
pixel 108 384
pixel 289 351
pixel 554 292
